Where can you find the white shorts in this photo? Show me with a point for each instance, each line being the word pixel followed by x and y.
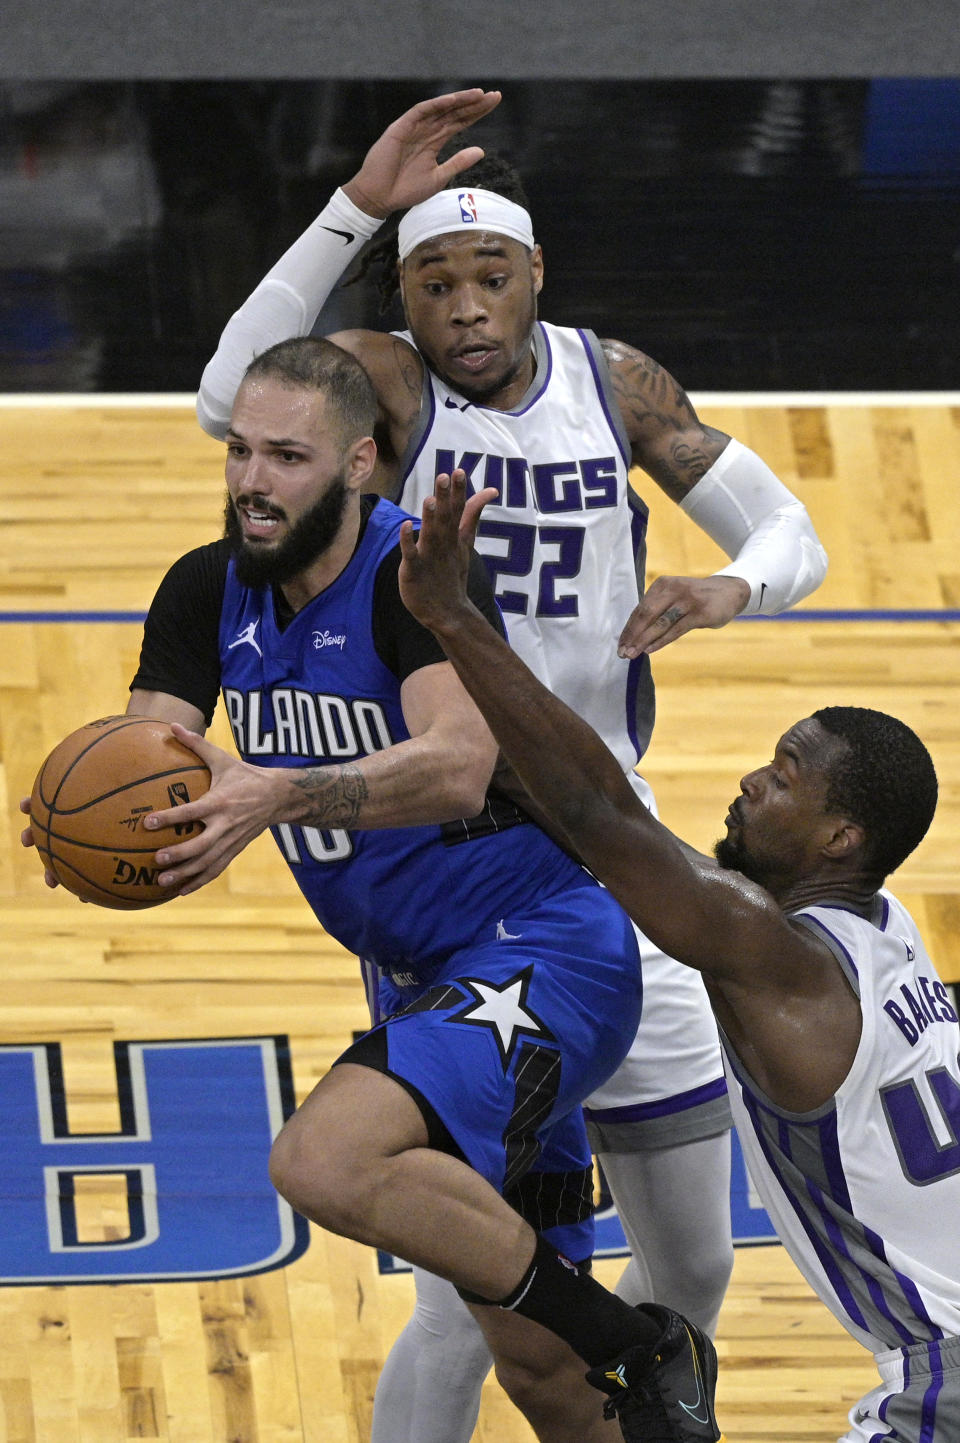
pixel 670 1087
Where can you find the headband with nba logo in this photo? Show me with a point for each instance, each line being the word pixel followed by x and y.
pixel 461 210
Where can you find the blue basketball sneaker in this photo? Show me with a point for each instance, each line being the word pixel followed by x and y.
pixel 663 1392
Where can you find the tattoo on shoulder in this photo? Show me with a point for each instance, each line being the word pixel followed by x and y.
pixel 669 440
pixel 646 392
pixel 335 795
pixel 408 366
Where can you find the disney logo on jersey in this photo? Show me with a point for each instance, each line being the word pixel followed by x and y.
pixel 323 639
pixel 468 207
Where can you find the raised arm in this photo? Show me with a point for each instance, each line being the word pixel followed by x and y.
pixel 731 494
pixel 768 980
pixel 399 170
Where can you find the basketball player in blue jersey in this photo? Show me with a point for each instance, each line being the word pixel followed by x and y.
pixel 554 419
pixel 510 978
pixel 841 1042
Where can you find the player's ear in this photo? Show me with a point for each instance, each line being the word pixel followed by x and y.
pixel 359 462
pixel 536 269
pixel 847 838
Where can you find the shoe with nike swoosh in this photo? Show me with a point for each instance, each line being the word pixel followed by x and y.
pixel 663 1392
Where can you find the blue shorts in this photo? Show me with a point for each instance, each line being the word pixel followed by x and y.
pixel 513 1032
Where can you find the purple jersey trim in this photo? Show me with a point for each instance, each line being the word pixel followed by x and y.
pixel 426 429
pixel 602 394
pixel 814 923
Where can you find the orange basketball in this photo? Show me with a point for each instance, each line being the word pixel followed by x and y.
pixel 91 796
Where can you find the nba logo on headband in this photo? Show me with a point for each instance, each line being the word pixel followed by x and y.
pixel 468 206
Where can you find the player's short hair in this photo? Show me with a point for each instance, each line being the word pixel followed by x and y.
pixel 883 779
pixel 312 363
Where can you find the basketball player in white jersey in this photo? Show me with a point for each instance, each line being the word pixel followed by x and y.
pixel 553 418
pixel 840 1040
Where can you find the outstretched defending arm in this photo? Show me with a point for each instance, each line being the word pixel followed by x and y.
pixel 399 170
pixel 775 988
pixel 707 918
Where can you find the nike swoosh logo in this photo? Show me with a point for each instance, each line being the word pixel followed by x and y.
pixel 348 235
pixel 452 405
pixel 763 587
pixel 699 1401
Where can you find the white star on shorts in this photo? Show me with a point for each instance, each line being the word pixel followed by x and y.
pixel 502 1010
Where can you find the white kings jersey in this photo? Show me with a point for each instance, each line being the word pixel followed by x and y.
pixel 565 542
pixel 865 1191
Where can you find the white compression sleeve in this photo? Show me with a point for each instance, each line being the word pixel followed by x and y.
pixel 285 303
pixel 762 527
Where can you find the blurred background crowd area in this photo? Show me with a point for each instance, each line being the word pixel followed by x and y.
pixel 751 235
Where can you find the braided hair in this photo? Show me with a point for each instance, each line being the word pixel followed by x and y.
pixel 492 172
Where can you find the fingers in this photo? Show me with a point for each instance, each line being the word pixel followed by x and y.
pixel 461 107
pixel 651 631
pixel 461 161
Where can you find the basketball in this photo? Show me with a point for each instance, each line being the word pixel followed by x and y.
pixel 89 801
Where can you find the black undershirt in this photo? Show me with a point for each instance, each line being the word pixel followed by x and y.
pixel 180 654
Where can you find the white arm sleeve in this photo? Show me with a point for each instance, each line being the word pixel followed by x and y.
pixel 762 527
pixel 285 303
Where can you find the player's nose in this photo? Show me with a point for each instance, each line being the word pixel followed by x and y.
pixel 469 305
pixel 750 784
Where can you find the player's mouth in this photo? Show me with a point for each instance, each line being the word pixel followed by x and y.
pixel 258 522
pixel 476 357
pixel 733 817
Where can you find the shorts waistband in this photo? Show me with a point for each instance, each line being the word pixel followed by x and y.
pixel 920 1359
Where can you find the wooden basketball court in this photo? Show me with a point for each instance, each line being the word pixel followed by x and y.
pixel 97 500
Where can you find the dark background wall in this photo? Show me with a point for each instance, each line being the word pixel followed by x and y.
pixel 760 195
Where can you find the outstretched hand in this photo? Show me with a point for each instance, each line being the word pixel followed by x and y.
pixel 400 169
pixel 433 572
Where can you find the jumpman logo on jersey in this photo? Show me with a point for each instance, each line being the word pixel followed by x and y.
pixel 504 936
pixel 248 635
pixel 503 1011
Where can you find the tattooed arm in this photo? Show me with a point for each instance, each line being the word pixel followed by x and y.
pixel 668 439
pixel 438 774
pixel 775 556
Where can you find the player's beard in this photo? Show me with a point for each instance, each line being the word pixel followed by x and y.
pixel 269 565
pixel 733 856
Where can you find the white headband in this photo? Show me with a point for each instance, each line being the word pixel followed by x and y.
pixel 459 210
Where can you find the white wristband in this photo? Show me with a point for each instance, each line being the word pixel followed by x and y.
pixel 762 526
pixel 285 303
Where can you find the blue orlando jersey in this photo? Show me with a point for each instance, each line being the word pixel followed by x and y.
pixel 317 693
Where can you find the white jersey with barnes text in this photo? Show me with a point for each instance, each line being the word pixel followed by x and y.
pixel 566 546
pixel 865 1190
